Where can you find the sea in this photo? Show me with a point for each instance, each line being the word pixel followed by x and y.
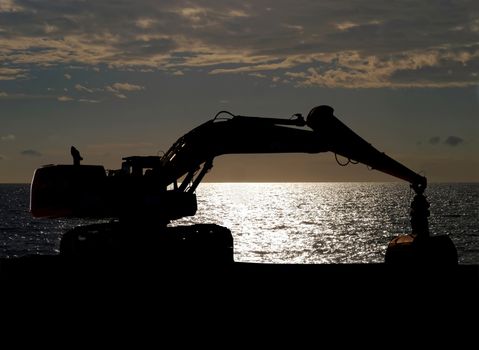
pixel 307 223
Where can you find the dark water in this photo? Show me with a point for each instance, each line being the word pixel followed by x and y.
pixel 285 222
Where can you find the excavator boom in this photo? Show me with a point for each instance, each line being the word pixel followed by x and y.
pixel 239 135
pixel 321 132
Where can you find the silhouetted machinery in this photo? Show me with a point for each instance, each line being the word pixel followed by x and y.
pixel 148 192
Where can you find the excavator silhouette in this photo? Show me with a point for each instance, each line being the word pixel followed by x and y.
pixel 147 193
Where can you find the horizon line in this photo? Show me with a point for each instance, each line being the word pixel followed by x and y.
pixel 292 182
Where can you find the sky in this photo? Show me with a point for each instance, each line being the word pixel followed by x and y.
pixel 122 78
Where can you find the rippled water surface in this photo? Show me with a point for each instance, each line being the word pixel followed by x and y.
pixel 286 222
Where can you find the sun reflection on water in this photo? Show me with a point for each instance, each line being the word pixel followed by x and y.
pixel 306 222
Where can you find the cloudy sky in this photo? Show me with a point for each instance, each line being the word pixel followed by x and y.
pixel 119 78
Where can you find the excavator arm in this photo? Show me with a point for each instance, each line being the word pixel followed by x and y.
pixel 320 132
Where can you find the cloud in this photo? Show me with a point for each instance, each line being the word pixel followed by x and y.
pixel 450 140
pixel 434 140
pixel 48 28
pixel 67 76
pixel 88 100
pixel 9 137
pixel 345 25
pixel 64 98
pixel 311 43
pixel 145 23
pixel 258 75
pixel 68 98
pixel 31 153
pixel 10 6
pixel 83 88
pixel 7 73
pixel 453 141
pixel 116 87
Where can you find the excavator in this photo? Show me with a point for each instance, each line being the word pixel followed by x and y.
pixel 149 192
